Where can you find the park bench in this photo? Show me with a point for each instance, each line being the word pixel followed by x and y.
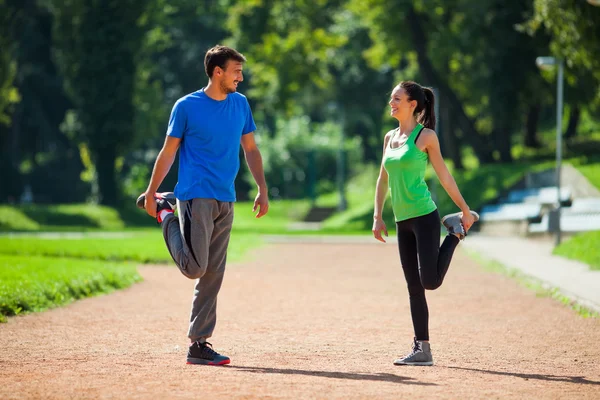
pixel 511 212
pixel 545 196
pixel 583 215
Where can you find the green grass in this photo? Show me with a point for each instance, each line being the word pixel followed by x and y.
pixel 591 170
pixel 533 284
pixel 33 283
pixel 59 217
pixel 282 214
pixel 12 218
pixel 592 173
pixel 43 270
pixel 582 247
pixel 145 246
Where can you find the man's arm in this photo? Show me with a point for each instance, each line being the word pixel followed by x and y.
pixel 255 165
pixel 161 169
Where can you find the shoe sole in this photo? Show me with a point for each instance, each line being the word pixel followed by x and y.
pixel 416 364
pixel 201 361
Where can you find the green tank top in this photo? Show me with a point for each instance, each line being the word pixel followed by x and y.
pixel 406 166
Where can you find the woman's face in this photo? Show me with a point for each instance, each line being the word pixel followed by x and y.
pixel 400 107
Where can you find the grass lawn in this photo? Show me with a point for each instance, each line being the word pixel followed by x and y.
pixel 591 170
pixel 583 247
pixel 142 246
pixel 34 217
pixel 32 283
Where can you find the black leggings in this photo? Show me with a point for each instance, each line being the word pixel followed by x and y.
pixel 424 263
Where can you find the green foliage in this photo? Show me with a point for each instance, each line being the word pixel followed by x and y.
pixel 446 44
pixel 9 94
pixel 286 58
pixel 35 283
pixel 300 152
pixel 582 247
pixel 97 44
pixel 574 28
pixel 119 66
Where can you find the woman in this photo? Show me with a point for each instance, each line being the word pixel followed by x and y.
pixel 406 151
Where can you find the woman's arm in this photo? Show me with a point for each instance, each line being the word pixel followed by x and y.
pixel 432 146
pixel 381 190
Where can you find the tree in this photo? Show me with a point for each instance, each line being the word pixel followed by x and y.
pixel 403 41
pixel 574 29
pixel 9 95
pixel 97 42
pixel 306 58
pixel 38 147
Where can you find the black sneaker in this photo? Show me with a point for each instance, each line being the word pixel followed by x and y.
pixel 164 201
pixel 202 353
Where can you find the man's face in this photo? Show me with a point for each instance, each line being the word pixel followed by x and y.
pixel 400 107
pixel 230 77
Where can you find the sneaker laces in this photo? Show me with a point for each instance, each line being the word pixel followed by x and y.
pixel 207 349
pixel 416 348
pixel 461 232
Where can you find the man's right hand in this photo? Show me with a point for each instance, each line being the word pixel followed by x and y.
pixel 150 204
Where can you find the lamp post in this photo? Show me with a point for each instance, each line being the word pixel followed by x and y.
pixel 548 63
pixel 341 160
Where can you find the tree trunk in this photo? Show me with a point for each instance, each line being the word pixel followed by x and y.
pixel 477 141
pixel 503 145
pixel 107 177
pixel 531 139
pixel 449 140
pixel 574 118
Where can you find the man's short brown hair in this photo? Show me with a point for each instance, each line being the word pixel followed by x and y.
pixel 218 57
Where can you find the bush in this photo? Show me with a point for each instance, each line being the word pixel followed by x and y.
pixel 300 152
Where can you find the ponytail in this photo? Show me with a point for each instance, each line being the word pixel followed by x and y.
pixel 427 116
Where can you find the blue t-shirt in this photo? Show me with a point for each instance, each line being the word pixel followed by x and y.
pixel 211 131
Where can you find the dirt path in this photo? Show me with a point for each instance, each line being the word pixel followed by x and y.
pixel 306 321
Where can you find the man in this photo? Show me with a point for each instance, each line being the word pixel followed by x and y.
pixel 208 125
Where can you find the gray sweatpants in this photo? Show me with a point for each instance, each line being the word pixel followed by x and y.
pixel 198 243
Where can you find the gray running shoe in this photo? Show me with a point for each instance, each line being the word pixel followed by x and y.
pixel 420 355
pixel 454 225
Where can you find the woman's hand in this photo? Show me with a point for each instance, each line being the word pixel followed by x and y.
pixel 378 226
pixel 467 220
